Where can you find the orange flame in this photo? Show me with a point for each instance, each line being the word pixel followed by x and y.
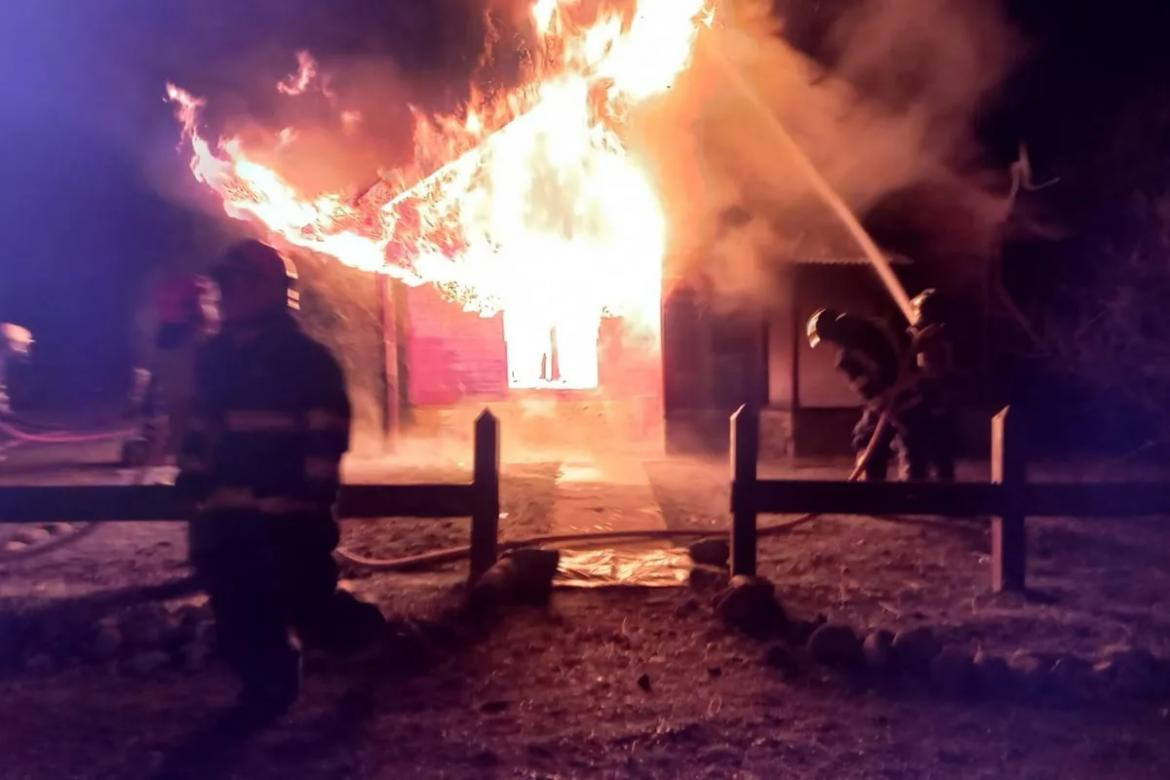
pixel 297 83
pixel 539 211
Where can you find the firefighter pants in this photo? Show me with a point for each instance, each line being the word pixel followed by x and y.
pixel 863 432
pixel 270 579
pixel 927 445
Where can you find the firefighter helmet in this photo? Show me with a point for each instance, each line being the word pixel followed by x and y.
pixel 820 325
pixel 15 340
pixel 927 308
pixel 258 263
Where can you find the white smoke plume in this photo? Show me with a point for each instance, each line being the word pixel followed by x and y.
pixel 890 109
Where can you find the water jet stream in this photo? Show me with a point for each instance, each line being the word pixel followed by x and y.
pixel 822 187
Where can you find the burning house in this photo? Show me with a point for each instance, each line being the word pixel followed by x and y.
pixel 523 251
pixel 527 242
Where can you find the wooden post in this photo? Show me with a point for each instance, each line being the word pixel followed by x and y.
pixel 745 451
pixel 485 518
pixel 1009 469
pixel 390 401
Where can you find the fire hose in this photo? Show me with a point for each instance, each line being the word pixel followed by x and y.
pixel 62 437
pixel 452 554
pixel 62 534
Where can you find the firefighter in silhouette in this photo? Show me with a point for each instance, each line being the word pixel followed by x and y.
pixel 185 317
pixel 15 344
pixel 869 358
pixel 260 465
pixel 930 421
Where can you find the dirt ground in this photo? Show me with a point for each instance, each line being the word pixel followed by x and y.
pixel 616 682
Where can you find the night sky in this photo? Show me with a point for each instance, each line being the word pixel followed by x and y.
pixel 95 193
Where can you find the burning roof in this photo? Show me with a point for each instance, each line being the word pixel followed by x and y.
pixel 538 208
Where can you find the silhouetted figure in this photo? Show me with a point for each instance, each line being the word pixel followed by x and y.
pixel 930 420
pixel 184 312
pixel 261 465
pixel 870 360
pixel 15 344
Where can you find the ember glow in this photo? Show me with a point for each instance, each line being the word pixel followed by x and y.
pixel 532 203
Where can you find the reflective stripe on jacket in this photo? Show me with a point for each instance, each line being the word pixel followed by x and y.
pixel 271 423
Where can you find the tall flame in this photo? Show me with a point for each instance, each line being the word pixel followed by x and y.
pixel 539 209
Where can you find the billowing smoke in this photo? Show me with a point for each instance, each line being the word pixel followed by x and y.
pixel 887 107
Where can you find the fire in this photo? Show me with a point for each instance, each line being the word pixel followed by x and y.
pixel 534 205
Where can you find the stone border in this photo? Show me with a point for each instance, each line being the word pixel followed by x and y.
pixel 749 604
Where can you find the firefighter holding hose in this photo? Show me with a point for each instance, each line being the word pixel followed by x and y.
pixel 931 426
pixel 260 465
pixel 870 359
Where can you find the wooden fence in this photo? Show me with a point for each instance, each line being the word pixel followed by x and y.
pixel 1009 498
pixel 479 500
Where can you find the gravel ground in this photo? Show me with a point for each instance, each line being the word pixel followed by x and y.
pixel 630 682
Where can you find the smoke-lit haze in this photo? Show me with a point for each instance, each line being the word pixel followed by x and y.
pixel 890 108
pixel 887 107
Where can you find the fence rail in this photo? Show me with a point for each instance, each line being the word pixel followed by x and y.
pixel 479 500
pixel 1008 498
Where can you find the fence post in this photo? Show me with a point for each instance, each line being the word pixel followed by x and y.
pixel 745 452
pixel 1009 469
pixel 485 518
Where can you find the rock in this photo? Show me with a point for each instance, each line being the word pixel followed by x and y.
pixel 1072 679
pixel 706 578
pixel 710 552
pixel 59 529
pixel 494 707
pixel 148 627
pixel 749 604
pixel 781 658
pixel 1029 673
pixel 188 617
pixel 39 663
pixel 15 546
pixel 836 646
pixel 486 759
pixel 205 632
pixel 878 649
pixel 720 755
pixel 915 648
pixel 107 641
pixel 193 656
pixel 798 631
pixel 644 683
pixel 33 536
pixel 952 672
pixel 523 576
pixel 535 569
pixel 993 675
pixel 1132 672
pixel 148 662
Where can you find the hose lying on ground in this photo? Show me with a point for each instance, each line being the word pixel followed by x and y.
pixel 62 437
pixel 452 554
pixel 44 427
pixel 73 532
pixel 106 601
